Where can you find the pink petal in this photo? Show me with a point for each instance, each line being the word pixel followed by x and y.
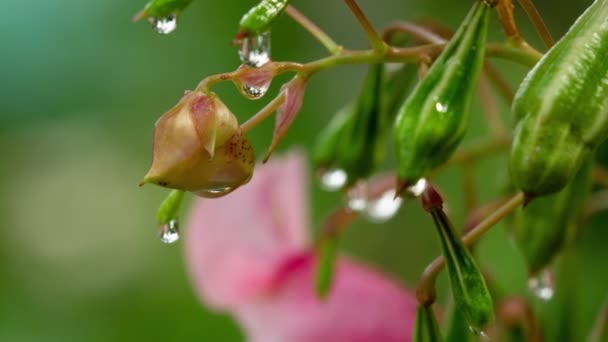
pixel 286 113
pixel 234 244
pixel 363 306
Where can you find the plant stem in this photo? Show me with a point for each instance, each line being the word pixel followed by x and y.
pixel 414 30
pixel 507 21
pixel 263 113
pixel 314 30
pixel 374 39
pixel 501 84
pixel 476 151
pixel 490 108
pixel 521 53
pixel 538 22
pixel 425 292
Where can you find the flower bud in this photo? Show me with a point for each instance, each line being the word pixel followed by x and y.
pixel 198 147
pixel 354 140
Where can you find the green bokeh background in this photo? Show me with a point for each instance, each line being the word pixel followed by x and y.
pixel 81 89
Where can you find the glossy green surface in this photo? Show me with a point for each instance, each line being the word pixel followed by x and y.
pixel 434 118
pixel 169 208
pixel 541 229
pixel 426 328
pixel 164 8
pixel 561 107
pixel 354 140
pixel 471 295
pixel 260 17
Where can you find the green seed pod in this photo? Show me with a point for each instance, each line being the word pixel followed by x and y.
pixel 471 295
pixel 260 17
pixel 326 261
pixel 426 328
pixel 541 229
pixel 169 209
pixel 353 140
pixel 433 120
pixel 561 107
pixel 162 8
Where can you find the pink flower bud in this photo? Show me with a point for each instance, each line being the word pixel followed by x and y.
pixel 286 113
pixel 198 147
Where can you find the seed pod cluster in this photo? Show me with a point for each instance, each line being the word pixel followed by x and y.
pixel 561 108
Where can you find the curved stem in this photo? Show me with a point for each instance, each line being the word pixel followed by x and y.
pixel 323 38
pixel 414 30
pixel 522 54
pixel 263 113
pixel 374 39
pixel 538 22
pixel 425 292
pixel 507 21
pixel 501 84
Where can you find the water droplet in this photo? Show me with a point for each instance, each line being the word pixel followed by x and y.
pixel 333 179
pixel 163 25
pixel 418 188
pixel 383 208
pixel 356 197
pixel 215 192
pixel 541 284
pixel 254 92
pixel 255 50
pixel 440 107
pixel 479 333
pixel 169 232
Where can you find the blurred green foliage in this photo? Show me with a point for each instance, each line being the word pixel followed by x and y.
pixel 82 87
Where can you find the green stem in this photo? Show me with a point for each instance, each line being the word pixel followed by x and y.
pixel 538 22
pixel 376 42
pixel 519 53
pixel 314 30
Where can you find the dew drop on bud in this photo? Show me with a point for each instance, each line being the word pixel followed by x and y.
pixel 255 50
pixel 333 179
pixel 169 232
pixel 417 189
pixel 541 284
pixel 356 197
pixel 163 25
pixel 480 334
pixel 254 92
pixel 214 192
pixel 383 208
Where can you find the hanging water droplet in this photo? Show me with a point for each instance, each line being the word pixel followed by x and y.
pixel 541 284
pixel 215 192
pixel 479 333
pixel 333 179
pixel 383 208
pixel 163 25
pixel 356 197
pixel 254 92
pixel 169 232
pixel 255 50
pixel 418 188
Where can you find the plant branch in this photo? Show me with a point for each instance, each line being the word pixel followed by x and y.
pixel 419 32
pixel 538 22
pixel 323 38
pixel 263 113
pixel 425 292
pixel 374 39
pixel 507 21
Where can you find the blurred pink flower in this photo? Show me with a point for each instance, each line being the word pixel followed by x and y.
pixel 249 254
